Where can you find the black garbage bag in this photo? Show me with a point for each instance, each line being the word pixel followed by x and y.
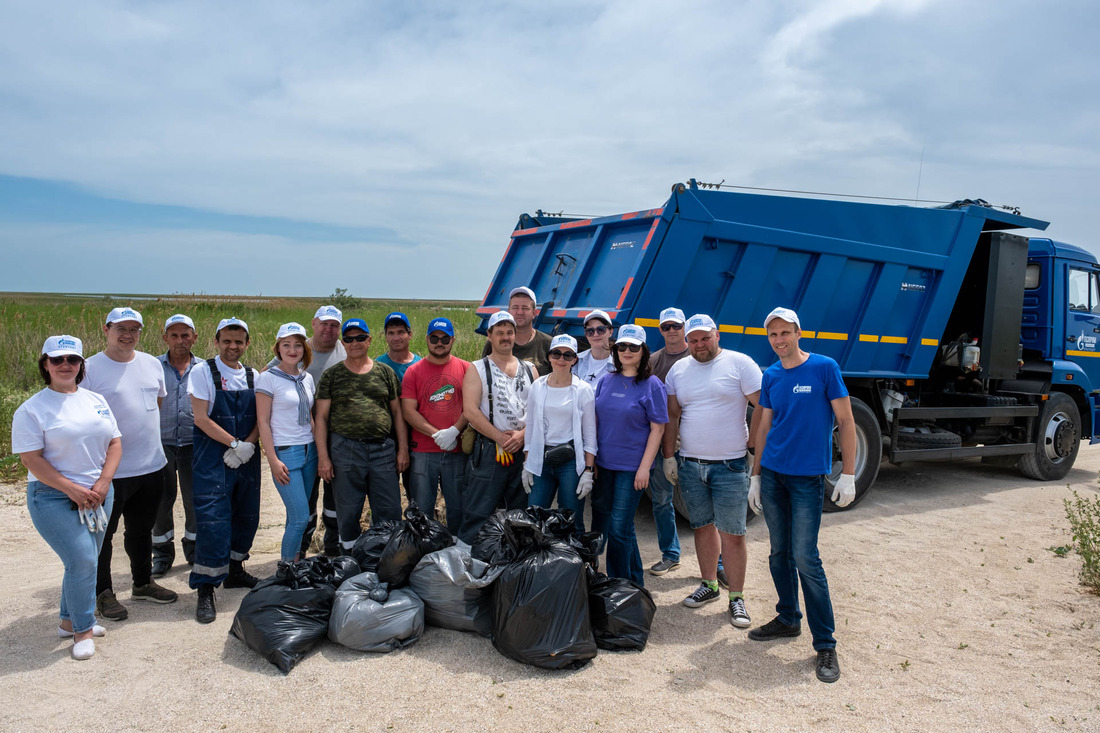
pixel 418 536
pixel 540 608
pixel 587 546
pixel 621 611
pixel 369 617
pixel 286 615
pixel 367 550
pixel 506 533
pixel 495 543
pixel 455 588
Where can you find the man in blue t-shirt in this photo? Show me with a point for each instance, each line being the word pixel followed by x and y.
pixel 799 397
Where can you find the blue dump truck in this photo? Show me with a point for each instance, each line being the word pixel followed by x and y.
pixel 957 338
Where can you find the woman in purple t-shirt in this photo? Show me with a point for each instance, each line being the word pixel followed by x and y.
pixel 631 413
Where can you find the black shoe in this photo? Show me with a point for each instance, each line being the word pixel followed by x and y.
pixel 205 612
pixel 239 577
pixel 722 581
pixel 828 666
pixel 774 629
pixel 161 566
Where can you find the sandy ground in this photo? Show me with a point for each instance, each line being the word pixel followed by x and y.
pixel 952 614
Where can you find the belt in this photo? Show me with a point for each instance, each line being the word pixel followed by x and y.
pixel 707 461
pixel 365 441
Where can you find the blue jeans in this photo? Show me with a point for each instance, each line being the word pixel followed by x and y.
pixel 301 465
pixel 59 525
pixel 716 492
pixel 489 485
pixel 445 471
pixel 664 513
pixel 561 481
pixel 623 558
pixel 792 509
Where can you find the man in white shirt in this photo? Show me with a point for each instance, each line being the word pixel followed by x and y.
pixel 132 382
pixel 708 396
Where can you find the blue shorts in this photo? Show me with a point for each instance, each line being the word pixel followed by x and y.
pixel 716 492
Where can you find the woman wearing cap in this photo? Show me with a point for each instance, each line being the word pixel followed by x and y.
pixel 631 410
pixel 560 442
pixel 594 363
pixel 67 438
pixel 284 400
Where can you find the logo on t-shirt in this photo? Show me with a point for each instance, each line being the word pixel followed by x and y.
pixel 446 393
pixel 802 389
pixel 104 412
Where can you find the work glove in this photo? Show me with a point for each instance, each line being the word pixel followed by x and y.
pixel 528 480
pixel 245 451
pixel 446 439
pixel 584 485
pixel 504 458
pixel 671 472
pixel 845 490
pixel 230 458
pixel 754 494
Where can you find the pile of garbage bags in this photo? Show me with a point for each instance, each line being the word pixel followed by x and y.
pixel 528 583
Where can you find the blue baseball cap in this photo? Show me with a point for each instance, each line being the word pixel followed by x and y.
pixel 355 323
pixel 441 324
pixel 396 316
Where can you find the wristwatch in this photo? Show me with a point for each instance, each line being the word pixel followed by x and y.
pixel 234 444
pixel 590 469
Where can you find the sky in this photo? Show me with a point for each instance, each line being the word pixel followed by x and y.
pixel 388 148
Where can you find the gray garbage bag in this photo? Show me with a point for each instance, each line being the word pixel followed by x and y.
pixel 367 625
pixel 455 589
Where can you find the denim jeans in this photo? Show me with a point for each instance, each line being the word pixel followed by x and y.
pixel 623 558
pixel 445 472
pixel 363 472
pixel 716 492
pixel 664 513
pixel 59 525
pixel 301 466
pixel 792 509
pixel 560 481
pixel 489 485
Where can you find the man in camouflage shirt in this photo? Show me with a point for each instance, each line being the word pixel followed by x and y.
pixel 358 405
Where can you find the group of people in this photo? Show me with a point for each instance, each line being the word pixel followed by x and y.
pixel 533 422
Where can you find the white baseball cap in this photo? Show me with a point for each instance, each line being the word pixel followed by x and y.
pixel 179 318
pixel 290 329
pixel 786 314
pixel 524 291
pixel 118 315
pixel 62 346
pixel 329 313
pixel 227 322
pixel 564 341
pixel 631 333
pixel 602 315
pixel 671 314
pixel 701 322
pixel 500 316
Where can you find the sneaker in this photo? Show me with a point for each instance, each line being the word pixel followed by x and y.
pixel 239 577
pixel 664 566
pixel 774 629
pixel 97 630
pixel 828 666
pixel 739 617
pixel 703 595
pixel 205 610
pixel 153 592
pixel 107 606
pixel 722 580
pixel 161 566
pixel 83 649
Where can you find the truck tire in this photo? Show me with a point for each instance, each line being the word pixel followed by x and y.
pixel 934 438
pixel 1056 442
pixel 868 456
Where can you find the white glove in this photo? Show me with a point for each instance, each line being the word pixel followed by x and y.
pixel 528 480
pixel 584 486
pixel 446 439
pixel 754 495
pixel 245 451
pixel 230 458
pixel 845 490
pixel 671 472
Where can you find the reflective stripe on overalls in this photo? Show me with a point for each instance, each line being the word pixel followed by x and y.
pixel 226 500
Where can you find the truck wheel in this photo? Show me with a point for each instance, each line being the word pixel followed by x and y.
pixel 868 456
pixel 1056 441
pixel 927 438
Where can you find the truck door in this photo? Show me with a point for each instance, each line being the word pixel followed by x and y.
pixel 1083 321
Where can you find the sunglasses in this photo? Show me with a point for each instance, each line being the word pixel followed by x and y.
pixel 632 348
pixel 439 340
pixel 671 327
pixel 566 355
pixel 359 339
pixel 71 359
pixel 597 330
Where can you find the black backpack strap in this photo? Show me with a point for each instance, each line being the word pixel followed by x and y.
pixel 215 374
pixel 249 377
pixel 489 385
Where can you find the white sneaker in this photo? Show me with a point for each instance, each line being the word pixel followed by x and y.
pixel 97 630
pixel 84 649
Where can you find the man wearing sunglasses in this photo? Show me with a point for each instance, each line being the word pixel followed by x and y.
pixel 431 400
pixel 132 382
pixel 529 345
pixel 596 361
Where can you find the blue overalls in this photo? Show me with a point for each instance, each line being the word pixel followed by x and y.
pixel 227 500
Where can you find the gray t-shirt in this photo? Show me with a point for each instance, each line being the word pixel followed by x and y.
pixel 662 361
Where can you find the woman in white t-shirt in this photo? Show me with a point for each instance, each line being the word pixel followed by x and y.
pixel 284 401
pixel 68 440
pixel 560 442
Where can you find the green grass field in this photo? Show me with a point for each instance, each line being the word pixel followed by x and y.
pixel 27 319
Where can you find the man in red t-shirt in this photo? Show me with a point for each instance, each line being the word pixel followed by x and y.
pixel 431 399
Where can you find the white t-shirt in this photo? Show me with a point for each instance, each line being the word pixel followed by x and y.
pixel 72 430
pixel 712 398
pixel 285 429
pixel 590 369
pixel 131 388
pixel 557 415
pixel 320 362
pixel 509 395
pixel 201 383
